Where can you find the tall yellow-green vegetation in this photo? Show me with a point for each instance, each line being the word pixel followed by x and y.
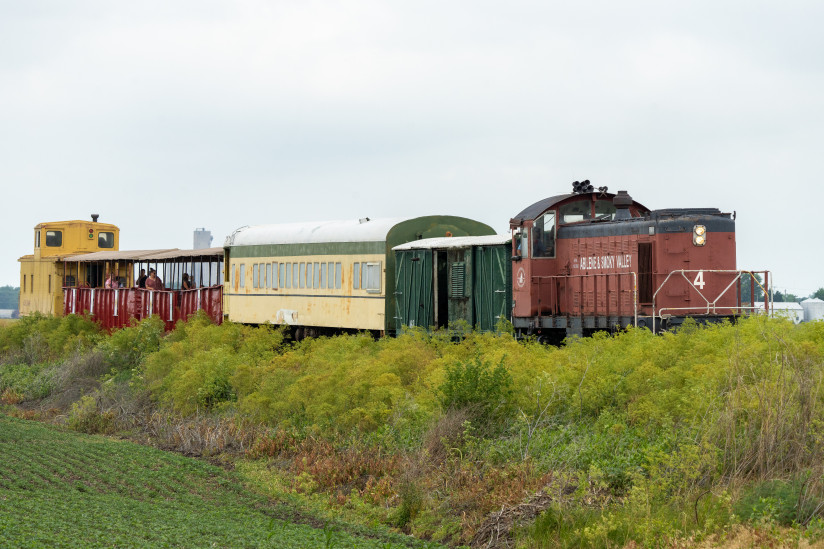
pixel 632 437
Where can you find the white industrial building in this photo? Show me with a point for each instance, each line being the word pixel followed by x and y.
pixel 791 310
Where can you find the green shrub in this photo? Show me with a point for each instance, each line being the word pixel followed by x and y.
pixel 126 348
pixel 776 501
pixel 32 381
pixel 86 417
pixel 41 338
pixel 474 386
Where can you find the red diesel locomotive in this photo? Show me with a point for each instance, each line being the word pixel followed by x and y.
pixel 592 260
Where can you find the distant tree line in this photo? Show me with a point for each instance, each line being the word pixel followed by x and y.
pixel 788 297
pixel 9 297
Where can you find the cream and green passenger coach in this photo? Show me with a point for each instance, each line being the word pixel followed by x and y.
pixel 326 276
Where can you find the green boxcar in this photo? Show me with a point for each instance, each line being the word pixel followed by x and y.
pixel 443 280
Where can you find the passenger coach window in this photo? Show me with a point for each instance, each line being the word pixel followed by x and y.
pixel 105 240
pixel 323 275
pixel 242 275
pixel 54 238
pixel 543 236
pixel 371 277
pixel 356 277
pixel 338 274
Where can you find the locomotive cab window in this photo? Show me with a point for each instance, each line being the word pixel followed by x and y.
pixel 36 239
pixel 54 239
pixel 575 211
pixel 605 209
pixel 520 242
pixel 105 240
pixel 543 236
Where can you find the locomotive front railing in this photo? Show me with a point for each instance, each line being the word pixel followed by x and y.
pixel 554 293
pixel 712 307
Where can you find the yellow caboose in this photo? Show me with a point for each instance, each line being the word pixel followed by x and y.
pixel 42 274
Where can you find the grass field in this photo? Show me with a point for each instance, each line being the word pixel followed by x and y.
pixel 61 489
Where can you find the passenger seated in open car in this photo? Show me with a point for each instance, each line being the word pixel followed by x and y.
pixel 154 282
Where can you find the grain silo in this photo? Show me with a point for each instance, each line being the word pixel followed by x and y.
pixel 813 309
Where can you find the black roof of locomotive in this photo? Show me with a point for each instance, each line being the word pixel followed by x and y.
pixel 533 211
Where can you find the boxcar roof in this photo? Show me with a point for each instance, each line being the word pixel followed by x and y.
pixel 350 230
pixel 455 242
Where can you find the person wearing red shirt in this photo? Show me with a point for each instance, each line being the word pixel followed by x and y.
pixel 153 282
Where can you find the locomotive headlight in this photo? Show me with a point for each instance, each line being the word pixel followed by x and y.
pixel 699 235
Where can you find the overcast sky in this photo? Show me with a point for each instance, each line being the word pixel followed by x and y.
pixel 168 116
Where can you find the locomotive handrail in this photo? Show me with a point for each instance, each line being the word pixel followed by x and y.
pixel 711 306
pixel 633 274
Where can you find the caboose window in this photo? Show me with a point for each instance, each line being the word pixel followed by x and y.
pixel 105 240
pixel 54 239
pixel 543 236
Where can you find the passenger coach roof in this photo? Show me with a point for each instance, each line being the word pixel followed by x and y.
pixel 351 230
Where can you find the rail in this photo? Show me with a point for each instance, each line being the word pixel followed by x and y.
pixel 619 310
pixel 712 307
